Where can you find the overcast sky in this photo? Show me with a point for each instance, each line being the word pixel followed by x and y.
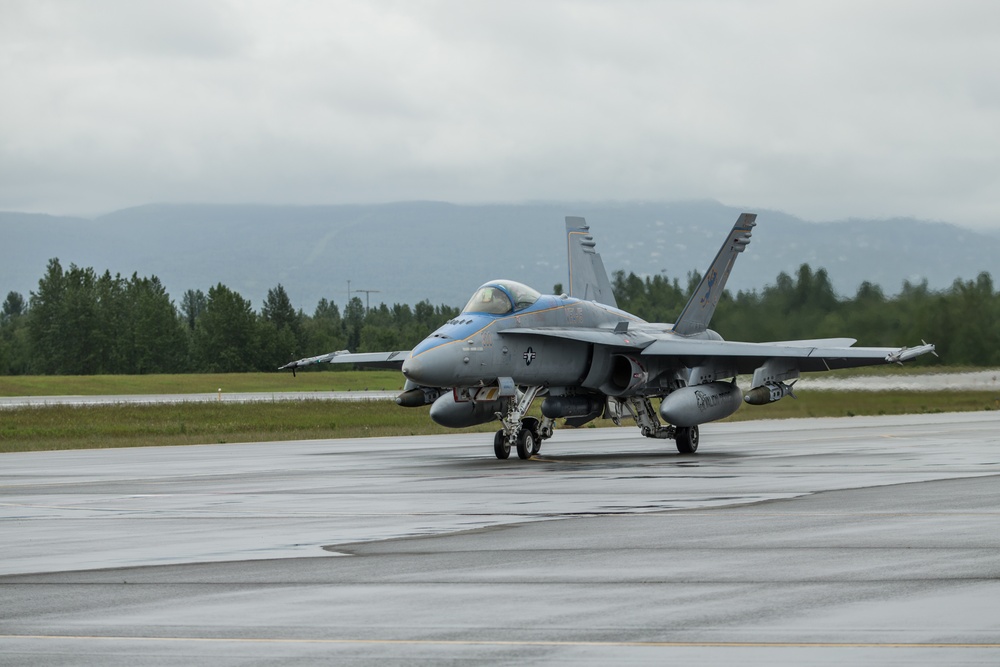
pixel 825 110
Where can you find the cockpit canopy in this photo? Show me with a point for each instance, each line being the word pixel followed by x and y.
pixel 499 297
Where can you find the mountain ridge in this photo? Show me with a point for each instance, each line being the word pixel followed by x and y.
pixel 407 252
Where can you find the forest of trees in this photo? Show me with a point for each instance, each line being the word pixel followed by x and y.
pixel 963 320
pixel 80 323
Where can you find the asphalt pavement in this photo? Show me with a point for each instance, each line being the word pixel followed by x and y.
pixel 869 540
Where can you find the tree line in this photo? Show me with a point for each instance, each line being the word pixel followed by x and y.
pixel 963 321
pixel 80 323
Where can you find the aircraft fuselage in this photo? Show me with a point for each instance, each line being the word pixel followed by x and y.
pixel 472 350
pixel 475 349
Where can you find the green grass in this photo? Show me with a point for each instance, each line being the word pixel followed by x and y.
pixel 86 427
pixel 854 403
pixel 97 385
pixel 125 425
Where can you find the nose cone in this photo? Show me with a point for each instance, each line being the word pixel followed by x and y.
pixel 412 368
pixel 430 368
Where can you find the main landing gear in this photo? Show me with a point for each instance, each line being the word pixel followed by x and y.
pixel 525 434
pixel 686 437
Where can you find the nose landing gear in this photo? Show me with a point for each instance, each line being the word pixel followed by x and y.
pixel 501 445
pixel 525 434
pixel 527 442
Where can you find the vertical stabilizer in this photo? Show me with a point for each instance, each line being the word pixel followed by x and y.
pixel 588 279
pixel 700 307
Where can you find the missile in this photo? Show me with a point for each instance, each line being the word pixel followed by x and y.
pixel 907 353
pixel 769 392
pixel 414 398
pixel 700 403
pixel 309 361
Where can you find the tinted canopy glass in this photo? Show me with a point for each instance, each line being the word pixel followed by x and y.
pixel 501 297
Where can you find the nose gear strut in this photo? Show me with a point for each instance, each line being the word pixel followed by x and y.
pixel 525 434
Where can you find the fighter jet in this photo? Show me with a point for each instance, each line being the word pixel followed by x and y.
pixel 587 359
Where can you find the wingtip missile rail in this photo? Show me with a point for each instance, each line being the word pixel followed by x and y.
pixel 309 361
pixel 907 353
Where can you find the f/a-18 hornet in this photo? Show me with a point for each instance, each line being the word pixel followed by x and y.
pixel 585 358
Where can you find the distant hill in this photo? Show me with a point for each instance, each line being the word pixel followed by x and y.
pixel 413 251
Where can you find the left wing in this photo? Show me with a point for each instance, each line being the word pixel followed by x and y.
pixel 393 360
pixel 805 355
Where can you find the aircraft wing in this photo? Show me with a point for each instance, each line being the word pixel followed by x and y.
pixel 806 355
pixel 392 360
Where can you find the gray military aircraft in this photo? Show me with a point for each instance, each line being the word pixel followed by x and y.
pixel 587 359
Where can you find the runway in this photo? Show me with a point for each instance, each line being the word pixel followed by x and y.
pixel 873 540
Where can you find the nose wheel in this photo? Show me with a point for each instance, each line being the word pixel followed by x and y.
pixel 524 433
pixel 528 441
pixel 501 446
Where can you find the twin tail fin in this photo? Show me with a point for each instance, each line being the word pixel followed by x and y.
pixel 698 312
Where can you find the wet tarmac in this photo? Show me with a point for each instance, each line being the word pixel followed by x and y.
pixel 869 540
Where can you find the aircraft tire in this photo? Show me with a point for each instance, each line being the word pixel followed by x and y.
pixel 525 443
pixel 500 445
pixel 687 439
pixel 532 424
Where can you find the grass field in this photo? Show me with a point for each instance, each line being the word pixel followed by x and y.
pixel 71 427
pixel 98 385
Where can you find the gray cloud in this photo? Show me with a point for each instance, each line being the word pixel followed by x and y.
pixel 823 109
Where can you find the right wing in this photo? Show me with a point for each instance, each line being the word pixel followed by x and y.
pixel 393 360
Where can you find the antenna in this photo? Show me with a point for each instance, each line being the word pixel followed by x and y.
pixel 368 293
